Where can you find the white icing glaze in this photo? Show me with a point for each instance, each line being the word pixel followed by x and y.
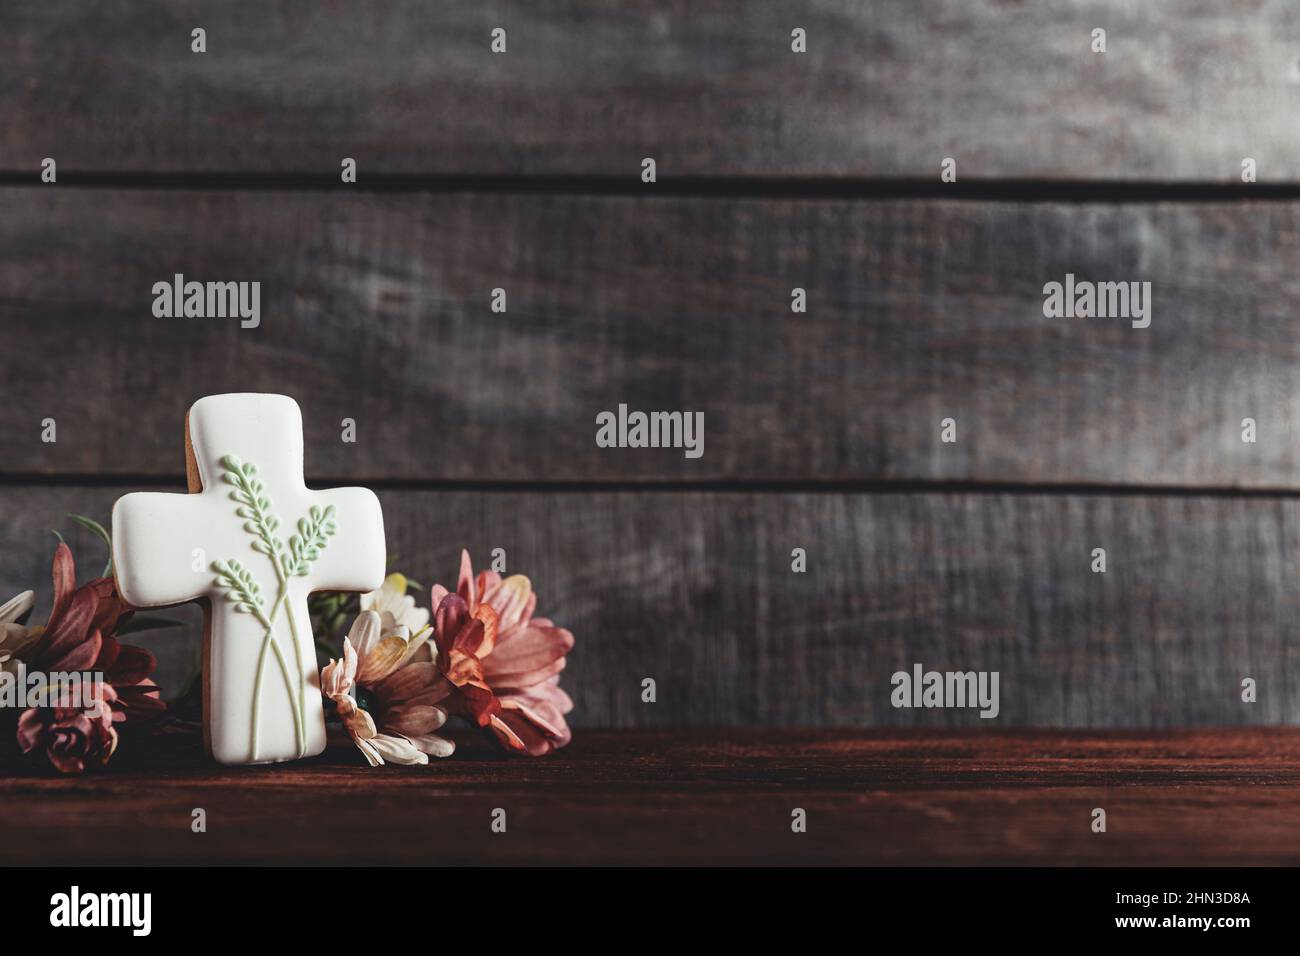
pixel 165 546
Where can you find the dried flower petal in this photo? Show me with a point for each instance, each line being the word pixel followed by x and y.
pixel 503 662
pixel 16 607
pixel 407 691
pixel 78 637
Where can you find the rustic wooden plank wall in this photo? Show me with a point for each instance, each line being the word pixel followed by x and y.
pixel 1185 90
pixel 822 429
pixel 376 307
pixel 695 590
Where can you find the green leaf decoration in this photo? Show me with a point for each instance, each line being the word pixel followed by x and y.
pixel 240 586
pixel 139 623
pixel 313 535
pixel 254 506
pixel 98 529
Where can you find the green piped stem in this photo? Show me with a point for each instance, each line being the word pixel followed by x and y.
pixel 302 699
pixel 268 640
pixel 297 698
pixel 314 532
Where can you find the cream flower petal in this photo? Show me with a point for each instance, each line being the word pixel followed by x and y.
pixel 395 606
pixel 416 618
pixel 397 749
pixel 415 644
pixel 16 607
pixel 371 754
pixel 394 587
pixel 390 654
pixel 349 662
pixel 365 633
pixel 14 639
pixel 384 657
pixel 433 745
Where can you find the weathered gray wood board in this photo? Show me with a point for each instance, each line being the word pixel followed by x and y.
pixel 377 308
pixel 696 591
pixel 1010 90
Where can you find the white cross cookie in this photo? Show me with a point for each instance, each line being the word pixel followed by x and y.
pixel 251 541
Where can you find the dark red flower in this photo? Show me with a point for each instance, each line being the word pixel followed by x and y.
pixel 71 736
pixel 79 638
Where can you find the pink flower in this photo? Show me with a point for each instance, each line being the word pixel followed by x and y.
pixel 505 664
pixel 407 693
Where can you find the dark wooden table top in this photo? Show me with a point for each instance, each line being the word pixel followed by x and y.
pixel 725 796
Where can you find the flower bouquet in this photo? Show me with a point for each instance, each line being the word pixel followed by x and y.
pixel 401 671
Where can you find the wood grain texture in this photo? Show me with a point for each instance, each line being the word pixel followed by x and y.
pixel 696 591
pixel 1011 90
pixel 376 307
pixel 1184 798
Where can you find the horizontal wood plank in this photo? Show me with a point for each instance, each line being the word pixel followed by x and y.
pixel 1210 797
pixel 1184 91
pixel 377 308
pixel 696 591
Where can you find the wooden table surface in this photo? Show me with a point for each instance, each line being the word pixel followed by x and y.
pixel 977 796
